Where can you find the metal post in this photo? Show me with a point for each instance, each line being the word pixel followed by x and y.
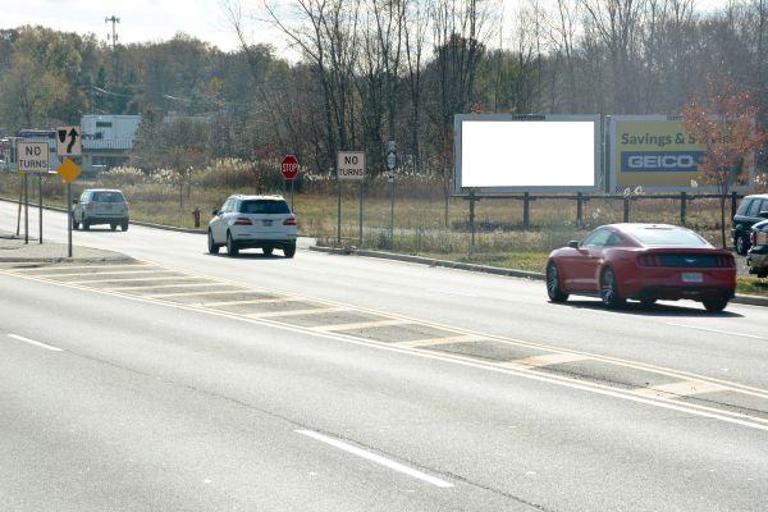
pixel 26 208
pixel 579 211
pixel 683 207
pixel 292 208
pixel 40 207
pixel 21 201
pixel 626 209
pixel 471 222
pixel 392 213
pixel 69 220
pixel 526 210
pixel 360 212
pixel 734 203
pixel 338 217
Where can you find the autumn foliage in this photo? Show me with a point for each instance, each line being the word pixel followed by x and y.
pixel 725 126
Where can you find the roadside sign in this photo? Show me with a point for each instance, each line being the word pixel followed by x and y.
pixel 68 141
pixel 391 160
pixel 34 157
pixel 290 167
pixel 69 170
pixel 350 165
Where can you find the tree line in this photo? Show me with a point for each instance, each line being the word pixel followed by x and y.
pixel 370 71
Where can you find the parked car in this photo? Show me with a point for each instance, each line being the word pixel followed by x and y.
pixel 645 262
pixel 752 210
pixel 264 222
pixel 757 257
pixel 100 206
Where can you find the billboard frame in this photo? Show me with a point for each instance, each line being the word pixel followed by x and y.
pixel 458 119
pixel 613 170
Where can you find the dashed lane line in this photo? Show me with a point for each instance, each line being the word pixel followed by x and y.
pixel 375 458
pixel 718 331
pixel 29 341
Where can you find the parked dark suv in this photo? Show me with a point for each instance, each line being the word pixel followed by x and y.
pixel 752 210
pixel 757 257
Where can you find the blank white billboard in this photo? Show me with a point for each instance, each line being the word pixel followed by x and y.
pixel 515 155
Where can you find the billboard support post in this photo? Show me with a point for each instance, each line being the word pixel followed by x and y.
pixel 626 209
pixel 579 210
pixel 471 221
pixel 21 201
pixel 526 210
pixel 683 207
pixel 360 231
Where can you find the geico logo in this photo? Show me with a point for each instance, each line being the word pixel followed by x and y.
pixel 661 161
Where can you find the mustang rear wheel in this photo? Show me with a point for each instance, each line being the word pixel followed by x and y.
pixel 609 289
pixel 554 291
pixel 715 305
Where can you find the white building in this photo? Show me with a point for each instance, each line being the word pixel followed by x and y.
pixel 107 140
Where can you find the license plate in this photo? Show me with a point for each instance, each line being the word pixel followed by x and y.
pixel 266 222
pixel 693 277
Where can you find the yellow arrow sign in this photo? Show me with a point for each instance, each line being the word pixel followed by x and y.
pixel 69 170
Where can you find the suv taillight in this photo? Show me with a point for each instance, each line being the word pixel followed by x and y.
pixel 243 221
pixel 290 221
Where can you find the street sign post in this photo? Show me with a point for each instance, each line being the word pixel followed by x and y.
pixel 391 165
pixel 68 141
pixel 290 171
pixel 350 166
pixel 33 157
pixel 69 171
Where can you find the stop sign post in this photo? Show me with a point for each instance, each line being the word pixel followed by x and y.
pixel 290 170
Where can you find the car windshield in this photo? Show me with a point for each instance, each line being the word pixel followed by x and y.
pixel 264 206
pixel 108 197
pixel 667 236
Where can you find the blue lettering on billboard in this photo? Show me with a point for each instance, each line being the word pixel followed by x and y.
pixel 661 161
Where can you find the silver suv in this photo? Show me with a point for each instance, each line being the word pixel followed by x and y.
pixel 100 206
pixel 264 222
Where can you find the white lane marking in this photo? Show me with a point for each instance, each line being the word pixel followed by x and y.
pixel 360 325
pixel 194 294
pixel 428 342
pixel 35 343
pixel 683 388
pixel 110 273
pixel 148 287
pixel 134 279
pixel 547 359
pixel 718 331
pixel 378 459
pixel 41 271
pixel 296 312
pixel 265 300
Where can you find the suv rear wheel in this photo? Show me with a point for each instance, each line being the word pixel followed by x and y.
pixel 124 225
pixel 232 248
pixel 716 304
pixel 742 244
pixel 289 250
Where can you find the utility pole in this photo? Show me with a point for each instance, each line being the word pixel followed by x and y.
pixel 114 20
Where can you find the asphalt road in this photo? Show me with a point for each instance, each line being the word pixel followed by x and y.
pixel 115 400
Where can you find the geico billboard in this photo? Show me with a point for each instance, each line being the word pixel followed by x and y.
pixel 656 153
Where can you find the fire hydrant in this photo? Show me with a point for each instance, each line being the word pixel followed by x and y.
pixel 196 215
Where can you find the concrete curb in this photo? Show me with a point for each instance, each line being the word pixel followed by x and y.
pixel 752 300
pixel 538 276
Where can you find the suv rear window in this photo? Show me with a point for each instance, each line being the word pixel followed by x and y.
pixel 264 206
pixel 757 206
pixel 744 207
pixel 667 237
pixel 107 197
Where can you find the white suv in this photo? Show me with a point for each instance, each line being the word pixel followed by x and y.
pixel 100 206
pixel 264 222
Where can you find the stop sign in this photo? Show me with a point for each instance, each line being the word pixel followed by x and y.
pixel 290 167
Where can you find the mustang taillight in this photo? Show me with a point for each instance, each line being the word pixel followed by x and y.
pixel 243 221
pixel 726 261
pixel 290 221
pixel 649 260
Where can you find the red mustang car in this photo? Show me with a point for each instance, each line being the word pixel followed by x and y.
pixel 645 262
